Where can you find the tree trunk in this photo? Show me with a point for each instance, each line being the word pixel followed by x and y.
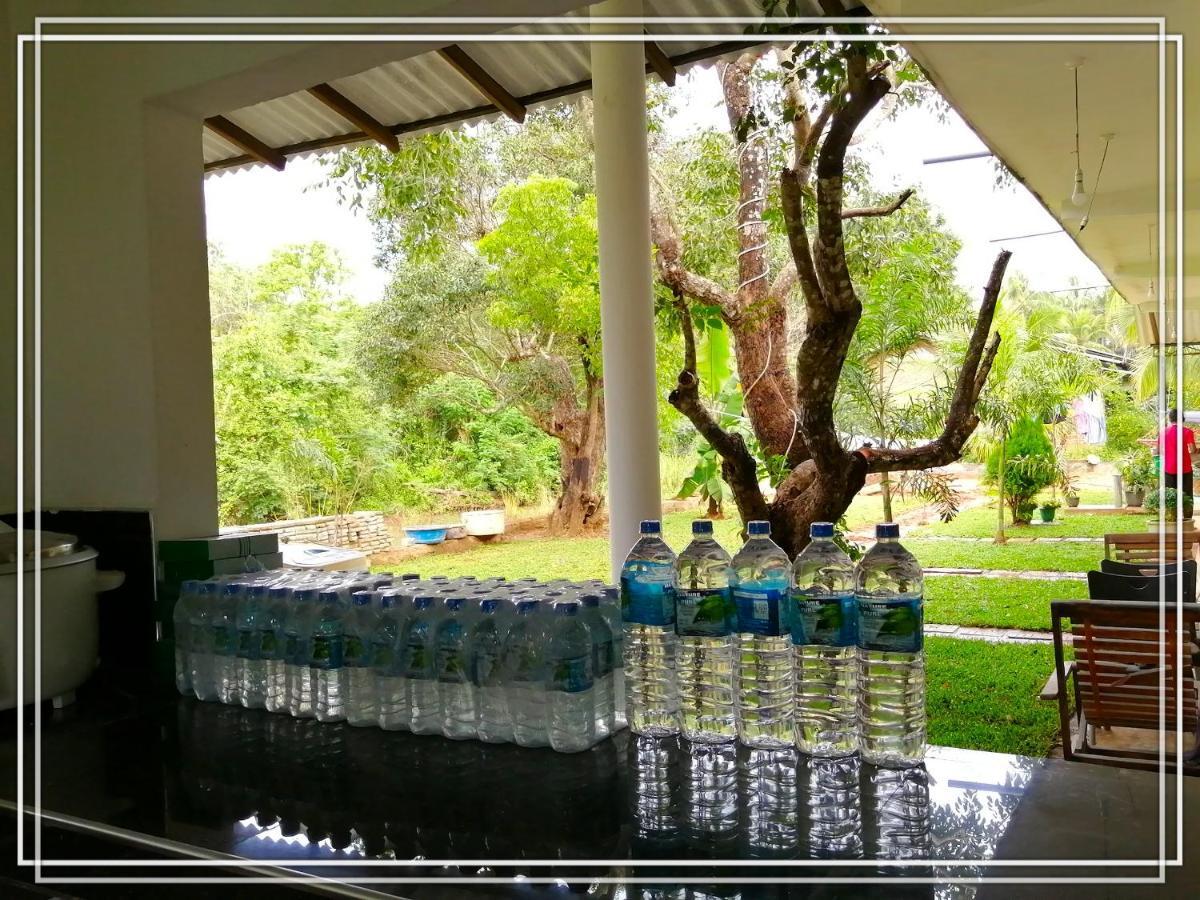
pixel 1001 537
pixel 578 502
pixel 885 492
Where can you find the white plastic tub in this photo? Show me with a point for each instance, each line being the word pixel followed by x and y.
pixel 315 556
pixel 484 522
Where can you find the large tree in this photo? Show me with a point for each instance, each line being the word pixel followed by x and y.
pixel 788 400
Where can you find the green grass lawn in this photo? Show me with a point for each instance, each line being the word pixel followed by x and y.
pixel 980 521
pixel 996 602
pixel 984 696
pixel 1019 556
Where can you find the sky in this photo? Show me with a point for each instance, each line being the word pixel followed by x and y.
pixel 252 212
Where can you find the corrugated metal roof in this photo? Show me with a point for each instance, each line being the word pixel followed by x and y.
pixel 425 92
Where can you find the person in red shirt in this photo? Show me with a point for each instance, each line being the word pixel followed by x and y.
pixel 1168 447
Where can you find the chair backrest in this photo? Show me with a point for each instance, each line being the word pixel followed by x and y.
pixel 1143 588
pixel 1144 547
pixel 1112 567
pixel 1122 678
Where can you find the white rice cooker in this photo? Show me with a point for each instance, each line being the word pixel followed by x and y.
pixel 70 620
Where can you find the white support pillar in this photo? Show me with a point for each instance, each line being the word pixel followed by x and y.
pixel 626 288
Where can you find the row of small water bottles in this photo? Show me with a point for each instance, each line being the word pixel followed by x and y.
pixel 821 654
pixel 524 662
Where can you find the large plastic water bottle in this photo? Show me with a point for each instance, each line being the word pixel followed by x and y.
pixel 610 608
pixel 201 658
pixel 524 662
pixel 762 577
pixel 456 693
pixel 325 658
pixel 420 653
pixel 493 723
pixel 389 644
pixel 602 664
pixel 824 634
pixel 571 685
pixel 301 697
pixel 648 613
pixel 358 678
pixel 251 667
pixel 705 619
pixel 181 619
pixel 225 643
pixel 274 647
pixel 889 587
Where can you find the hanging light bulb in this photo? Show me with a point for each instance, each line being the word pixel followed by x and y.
pixel 1150 288
pixel 1079 196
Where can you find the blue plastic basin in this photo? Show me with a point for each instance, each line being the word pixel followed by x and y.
pixel 426 535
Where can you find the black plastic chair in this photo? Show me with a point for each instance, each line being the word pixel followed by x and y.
pixel 1105 586
pixel 1112 567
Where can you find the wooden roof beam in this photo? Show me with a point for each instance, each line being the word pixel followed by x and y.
pixel 355 114
pixel 484 83
pixel 244 140
pixel 660 63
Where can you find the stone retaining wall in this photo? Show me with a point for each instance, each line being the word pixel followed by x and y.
pixel 365 531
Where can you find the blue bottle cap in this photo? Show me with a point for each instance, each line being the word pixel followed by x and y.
pixel 410 576
pixel 361 598
pixel 231 590
pixel 527 605
pixel 279 593
pixel 821 530
pixel 257 591
pixel 307 594
pixel 758 528
pixel 328 596
pixel 454 604
pixel 566 608
pixel 650 526
pixel 887 530
pixel 590 600
pixel 387 601
pixel 702 526
pixel 423 602
pixel 190 585
pixel 490 605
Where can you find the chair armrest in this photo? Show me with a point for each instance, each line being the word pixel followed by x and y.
pixel 1051 688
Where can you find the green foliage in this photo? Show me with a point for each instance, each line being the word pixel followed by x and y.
pixel 1168 500
pixel 1138 471
pixel 1126 422
pixel 1029 464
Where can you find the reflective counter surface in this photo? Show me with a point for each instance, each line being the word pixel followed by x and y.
pixel 188 780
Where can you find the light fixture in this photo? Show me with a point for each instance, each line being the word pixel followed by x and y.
pixel 1079 196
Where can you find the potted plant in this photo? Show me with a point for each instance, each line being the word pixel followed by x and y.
pixel 1167 500
pixel 1047 510
pixel 1138 475
pixel 1068 486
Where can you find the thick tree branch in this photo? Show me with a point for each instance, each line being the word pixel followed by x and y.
pixel 672 271
pixel 784 282
pixel 961 420
pixel 791 193
pixel 887 209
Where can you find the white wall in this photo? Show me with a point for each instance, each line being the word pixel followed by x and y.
pixel 127 371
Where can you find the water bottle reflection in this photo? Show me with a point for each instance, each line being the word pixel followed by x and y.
pixel 834 802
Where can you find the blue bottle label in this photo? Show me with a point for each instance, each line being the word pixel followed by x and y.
pixel 485 666
pixel 383 657
pixel 269 643
pixel 647 597
pixel 418 659
pixel 326 651
pixel 602 658
pixel 222 643
pixel 572 674
pixel 294 648
pixel 248 644
pixel 708 612
pixel 829 620
pixel 449 664
pixel 528 665
pixel 893 625
pixel 763 611
pixel 354 651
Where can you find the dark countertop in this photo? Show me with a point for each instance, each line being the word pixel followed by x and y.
pixel 178 779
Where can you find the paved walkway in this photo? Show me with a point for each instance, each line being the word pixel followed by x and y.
pixel 1019 574
pixel 1012 540
pixel 992 635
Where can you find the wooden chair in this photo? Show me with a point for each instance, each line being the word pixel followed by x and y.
pixel 1119 679
pixel 1139 548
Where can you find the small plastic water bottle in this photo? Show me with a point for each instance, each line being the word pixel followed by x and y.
pixel 762 579
pixel 201 658
pixel 274 647
pixel 824 636
pixel 705 619
pixel 325 658
pixel 571 686
pixel 648 612
pixel 389 643
pixel 602 664
pixel 493 723
pixel 456 693
pixel 181 619
pixel 525 664
pixel 889 587
pixel 301 697
pixel 358 678
pixel 251 666
pixel 420 652
pixel 225 641
pixel 610 608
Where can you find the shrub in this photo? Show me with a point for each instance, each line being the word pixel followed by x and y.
pixel 1168 498
pixel 1030 466
pixel 1138 471
pixel 1126 421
